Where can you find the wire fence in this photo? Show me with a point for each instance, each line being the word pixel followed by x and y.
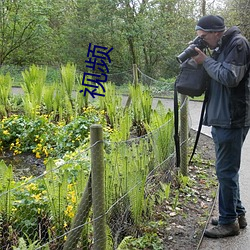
pixel 158 87
pixel 42 209
pixel 54 210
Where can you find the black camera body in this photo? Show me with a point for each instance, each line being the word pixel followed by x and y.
pixel 190 51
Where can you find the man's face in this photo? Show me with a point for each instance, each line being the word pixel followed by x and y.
pixel 211 38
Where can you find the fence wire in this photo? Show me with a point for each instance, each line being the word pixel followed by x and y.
pixel 44 210
pixel 40 211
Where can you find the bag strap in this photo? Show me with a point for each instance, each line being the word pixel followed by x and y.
pixel 199 127
pixel 176 126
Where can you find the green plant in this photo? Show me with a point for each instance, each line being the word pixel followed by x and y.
pixel 56 187
pixel 147 241
pixel 161 128
pixel 68 74
pixel 164 191
pixel 48 98
pixel 6 184
pixel 33 86
pixel 141 104
pixel 5 89
pixel 81 101
pixel 22 245
pixel 126 172
pixel 176 199
pixel 30 208
pixel 184 181
pixel 111 103
pixel 44 137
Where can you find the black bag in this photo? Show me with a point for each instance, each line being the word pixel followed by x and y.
pixel 192 80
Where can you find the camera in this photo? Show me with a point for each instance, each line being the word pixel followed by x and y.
pixel 190 51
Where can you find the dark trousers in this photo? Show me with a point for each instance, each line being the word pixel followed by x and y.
pixel 228 145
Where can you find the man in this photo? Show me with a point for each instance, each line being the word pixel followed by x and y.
pixel 228 112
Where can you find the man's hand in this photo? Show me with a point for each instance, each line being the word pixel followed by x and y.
pixel 200 58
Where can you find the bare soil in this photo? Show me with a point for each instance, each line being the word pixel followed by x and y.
pixel 187 222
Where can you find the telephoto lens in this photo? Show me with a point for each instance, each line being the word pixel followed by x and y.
pixel 190 50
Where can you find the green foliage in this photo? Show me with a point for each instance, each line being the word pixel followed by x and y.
pixel 33 85
pixel 164 191
pixel 161 126
pixel 146 33
pixel 23 25
pixel 48 98
pixel 6 184
pixel 126 172
pixel 141 104
pixel 147 241
pixel 57 188
pixel 30 206
pixel 29 245
pixel 111 103
pixel 81 101
pixel 5 89
pixel 68 73
pixel 43 137
pixel 55 196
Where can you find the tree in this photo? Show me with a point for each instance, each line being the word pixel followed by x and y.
pixel 237 13
pixel 21 21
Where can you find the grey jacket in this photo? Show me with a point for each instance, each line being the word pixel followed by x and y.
pixel 228 103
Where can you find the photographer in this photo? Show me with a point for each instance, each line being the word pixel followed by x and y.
pixel 228 112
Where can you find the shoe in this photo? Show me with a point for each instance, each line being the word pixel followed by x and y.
pixel 241 219
pixel 221 231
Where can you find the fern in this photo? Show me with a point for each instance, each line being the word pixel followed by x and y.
pixel 33 86
pixel 56 185
pixel 6 184
pixel 161 126
pixel 68 74
pixel 5 90
pixel 48 98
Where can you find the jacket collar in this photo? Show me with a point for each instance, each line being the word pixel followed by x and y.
pixel 231 32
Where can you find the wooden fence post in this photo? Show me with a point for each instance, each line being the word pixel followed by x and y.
pixel 135 74
pixel 80 218
pixel 98 194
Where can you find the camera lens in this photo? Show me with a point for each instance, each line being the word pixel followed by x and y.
pixel 190 51
pixel 187 53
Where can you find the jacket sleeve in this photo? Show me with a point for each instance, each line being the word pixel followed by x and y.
pixel 234 66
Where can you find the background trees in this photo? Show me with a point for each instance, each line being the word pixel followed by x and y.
pixel 149 33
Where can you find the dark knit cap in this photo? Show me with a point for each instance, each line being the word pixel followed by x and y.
pixel 211 23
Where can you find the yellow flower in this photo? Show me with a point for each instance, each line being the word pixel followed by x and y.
pixel 103 112
pixel 37 196
pixel 31 187
pixel 69 211
pixel 12 145
pixel 6 132
pixel 73 199
pixel 45 151
pixel 14 209
pixel 38 155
